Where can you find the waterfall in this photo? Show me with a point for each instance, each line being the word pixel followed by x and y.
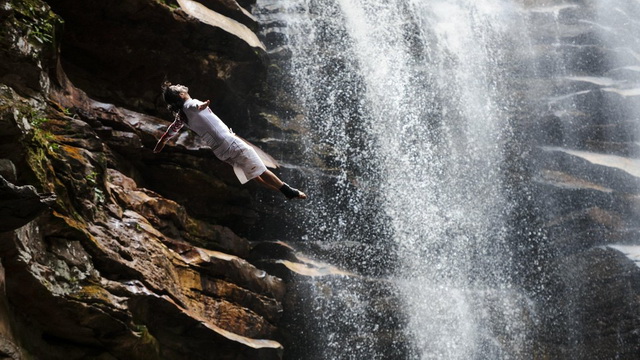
pixel 417 109
pixel 442 118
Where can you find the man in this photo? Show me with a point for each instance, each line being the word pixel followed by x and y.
pixel 197 116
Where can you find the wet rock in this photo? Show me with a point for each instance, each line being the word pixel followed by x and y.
pixel 598 306
pixel 145 41
pixel 8 170
pixel 86 270
pixel 20 204
pixel 318 287
pixel 188 336
pixel 100 306
pixel 171 218
pixel 29 30
pixel 110 268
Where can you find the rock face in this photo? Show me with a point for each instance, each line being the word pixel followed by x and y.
pixel 107 250
pixel 585 182
pixel 20 204
pixel 316 290
pixel 120 53
pixel 572 166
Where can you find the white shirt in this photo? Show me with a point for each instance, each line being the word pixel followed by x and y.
pixel 208 126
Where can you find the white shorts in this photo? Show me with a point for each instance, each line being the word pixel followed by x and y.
pixel 246 163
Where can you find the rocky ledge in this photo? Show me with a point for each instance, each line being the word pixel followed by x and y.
pixel 108 251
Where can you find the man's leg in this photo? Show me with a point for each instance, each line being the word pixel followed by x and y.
pixel 271 181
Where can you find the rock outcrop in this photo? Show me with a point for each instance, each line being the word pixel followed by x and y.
pixel 572 169
pixel 107 250
pixel 370 318
pixel 585 183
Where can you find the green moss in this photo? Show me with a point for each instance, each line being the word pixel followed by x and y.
pixel 33 21
pixel 38 19
pixel 147 346
pixel 170 3
pixel 40 138
pixel 37 122
pixel 98 194
pixel 40 148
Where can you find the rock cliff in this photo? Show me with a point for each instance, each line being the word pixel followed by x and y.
pixel 107 250
pixel 583 182
pixel 571 162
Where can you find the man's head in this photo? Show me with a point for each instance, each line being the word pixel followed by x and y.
pixel 180 89
pixel 174 95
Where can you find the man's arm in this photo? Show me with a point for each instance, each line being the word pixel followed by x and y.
pixel 204 105
pixel 161 142
pixel 172 130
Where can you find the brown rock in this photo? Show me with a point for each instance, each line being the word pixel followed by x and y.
pixel 20 204
pixel 144 41
pixel 28 38
pixel 78 273
pixel 131 261
pixel 171 218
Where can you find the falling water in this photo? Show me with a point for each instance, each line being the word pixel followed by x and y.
pixel 413 99
pixel 414 107
pixel 442 102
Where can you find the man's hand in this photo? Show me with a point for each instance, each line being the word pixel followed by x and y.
pixel 204 106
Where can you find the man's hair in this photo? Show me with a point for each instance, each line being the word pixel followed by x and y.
pixel 171 96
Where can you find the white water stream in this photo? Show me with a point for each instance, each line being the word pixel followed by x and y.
pixel 414 102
